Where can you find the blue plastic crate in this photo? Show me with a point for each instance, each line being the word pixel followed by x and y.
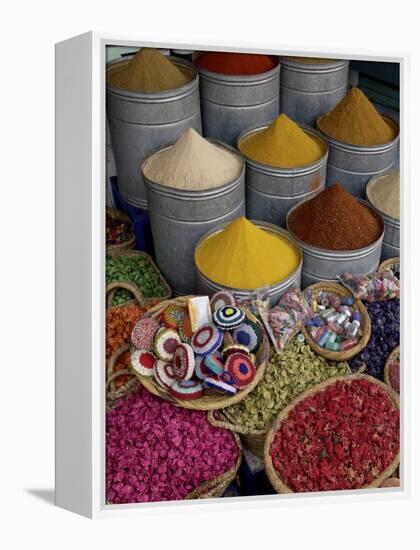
pixel 139 218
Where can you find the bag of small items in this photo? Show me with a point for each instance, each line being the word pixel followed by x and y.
pixel 286 319
pixel 376 287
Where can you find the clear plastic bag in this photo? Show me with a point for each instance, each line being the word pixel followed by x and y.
pixel 377 287
pixel 286 319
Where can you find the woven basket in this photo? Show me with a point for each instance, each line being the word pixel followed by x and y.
pixel 390 359
pixel 272 473
pixel 386 265
pixel 118 215
pixel 113 393
pixel 366 326
pixel 129 285
pixel 216 487
pixel 211 400
pixel 213 488
pixel 251 439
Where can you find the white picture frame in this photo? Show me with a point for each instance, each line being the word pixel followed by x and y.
pixel 80 279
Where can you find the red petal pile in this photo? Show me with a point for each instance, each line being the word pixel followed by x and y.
pixel 342 437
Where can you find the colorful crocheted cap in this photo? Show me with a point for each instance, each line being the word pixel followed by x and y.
pixel 214 364
pixel 219 386
pixel 220 299
pixel 235 348
pixel 248 334
pixel 206 339
pixel 143 362
pixel 185 330
pixel 200 369
pixel 172 315
pixel 241 368
pixel 166 341
pixel 143 333
pixel 183 362
pixel 187 389
pixel 229 317
pixel 164 374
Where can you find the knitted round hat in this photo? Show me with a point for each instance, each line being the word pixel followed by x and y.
pixel 229 317
pixel 143 362
pixel 206 339
pixel 183 362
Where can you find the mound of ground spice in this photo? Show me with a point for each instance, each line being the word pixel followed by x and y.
pixel 148 71
pixel 283 144
pixel 355 120
pixel 243 255
pixel 236 63
pixel 335 220
pixel 193 163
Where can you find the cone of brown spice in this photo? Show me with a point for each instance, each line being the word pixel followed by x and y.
pixel 335 220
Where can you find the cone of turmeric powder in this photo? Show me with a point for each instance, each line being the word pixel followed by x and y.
pixel 283 144
pixel 355 120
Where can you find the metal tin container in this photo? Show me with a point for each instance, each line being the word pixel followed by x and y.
pixel 324 265
pixel 309 90
pixel 180 217
pixel 391 242
pixel 271 191
pixel 208 286
pixel 140 122
pixel 354 165
pixel 231 103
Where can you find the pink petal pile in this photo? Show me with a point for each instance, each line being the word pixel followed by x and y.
pixel 156 451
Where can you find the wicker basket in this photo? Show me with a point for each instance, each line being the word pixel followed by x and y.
pixel 366 326
pixel 395 353
pixel 211 400
pixel 213 488
pixel 113 393
pixel 272 473
pixel 216 487
pixel 118 215
pixel 387 265
pixel 129 285
pixel 251 439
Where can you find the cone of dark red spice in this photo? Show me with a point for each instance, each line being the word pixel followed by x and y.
pixel 335 220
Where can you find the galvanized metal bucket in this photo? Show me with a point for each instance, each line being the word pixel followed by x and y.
pixel 271 191
pixel 207 286
pixel 324 265
pixel 140 122
pixel 309 90
pixel 229 104
pixel 354 165
pixel 391 242
pixel 180 217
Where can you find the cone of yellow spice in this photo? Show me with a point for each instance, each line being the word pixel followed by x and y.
pixel 244 256
pixel 283 144
pixel 355 120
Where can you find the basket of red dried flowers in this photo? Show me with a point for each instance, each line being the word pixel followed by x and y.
pixel 341 434
pixel 392 369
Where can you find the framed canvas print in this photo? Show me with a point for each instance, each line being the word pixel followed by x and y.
pixel 228 275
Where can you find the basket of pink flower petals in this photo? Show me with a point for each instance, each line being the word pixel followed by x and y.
pixel 156 451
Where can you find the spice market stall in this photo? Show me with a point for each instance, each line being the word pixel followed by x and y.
pixel 254 348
